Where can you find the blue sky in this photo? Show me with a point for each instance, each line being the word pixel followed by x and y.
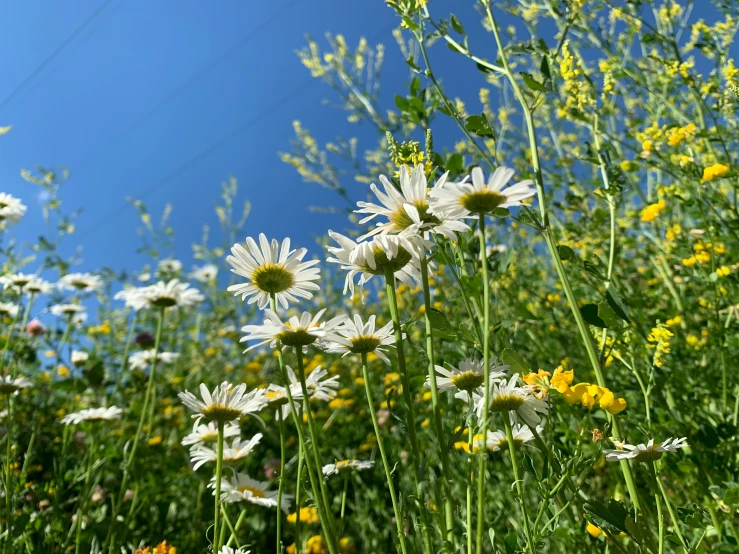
pixel 145 88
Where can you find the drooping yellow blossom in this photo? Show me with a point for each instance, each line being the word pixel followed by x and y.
pixel 674 322
pixel 561 380
pixel 594 531
pixel 714 171
pixel 723 271
pixel 651 212
pixel 308 514
pixel 676 135
pixel 539 382
pixel 659 339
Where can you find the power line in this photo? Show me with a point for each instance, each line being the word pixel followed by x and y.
pixel 59 49
pixel 182 87
pixel 300 89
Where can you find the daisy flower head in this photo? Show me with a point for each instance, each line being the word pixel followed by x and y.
pixel 16 281
pixel 469 376
pixel 79 357
pixel 354 336
pixel 134 297
pixel 142 359
pixel 168 266
pixel 11 208
pixel 228 550
pixel 242 488
pixel 508 396
pixel 9 385
pixel 272 269
pixel 80 282
pixel 205 274
pixel 67 310
pixel 171 294
pixel 205 433
pixel 649 452
pixel 407 210
pixel 347 465
pixel 398 254
pixel 320 388
pixel 226 403
pixel 92 415
pixel 497 440
pixel 471 199
pixel 297 331
pixel 237 451
pixel 8 309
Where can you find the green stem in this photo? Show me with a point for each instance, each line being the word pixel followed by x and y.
pixel 670 509
pixel 470 475
pixel 385 463
pixel 84 494
pixel 343 500
pixel 232 538
pixel 8 472
pixel 410 420
pixel 219 471
pixel 281 425
pixel 126 350
pixel 482 455
pixel 443 451
pixel 298 499
pixel 519 481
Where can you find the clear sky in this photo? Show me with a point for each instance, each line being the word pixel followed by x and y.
pixel 163 100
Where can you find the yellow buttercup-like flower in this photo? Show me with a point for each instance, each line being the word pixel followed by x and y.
pixel 714 171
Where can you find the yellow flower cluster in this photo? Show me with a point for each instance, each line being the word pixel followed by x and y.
pixel 409 153
pixel 676 135
pixel 609 82
pixel 651 212
pixel 680 68
pixel 575 86
pixel 308 515
pixel 588 393
pixel 659 339
pixel 161 548
pixel 702 253
pixel 102 329
pixel 714 171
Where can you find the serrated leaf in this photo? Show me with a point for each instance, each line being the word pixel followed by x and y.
pixel 455 163
pixel 479 125
pixel 590 314
pixel 514 360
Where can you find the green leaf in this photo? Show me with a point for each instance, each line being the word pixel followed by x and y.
pixel 479 125
pixel 614 301
pixel 610 517
pixel 412 64
pixel 532 83
pixel 516 362
pixel 608 315
pixel 565 252
pixel 544 68
pixel 439 321
pixel 510 542
pixel 731 496
pixel 590 314
pixel 455 163
pixel 457 25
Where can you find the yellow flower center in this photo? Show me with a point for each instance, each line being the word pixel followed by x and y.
pixel 382 262
pixel 402 220
pixel 254 492
pixel 272 278
pixel 469 380
pixel 364 344
pixel 298 337
pixel 482 202
pixel 219 412
pixel 506 402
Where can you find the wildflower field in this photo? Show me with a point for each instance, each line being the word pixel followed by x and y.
pixel 523 340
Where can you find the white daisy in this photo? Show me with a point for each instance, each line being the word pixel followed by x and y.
pixel 172 293
pixel 209 433
pixel 169 265
pixel 11 208
pixel 297 331
pixel 347 465
pixel 398 253
pixel 205 274
pixel 142 359
pixel 82 282
pixel 407 210
pixel 235 452
pixel 16 281
pixel 8 309
pixel 67 310
pixel 507 396
pixel 134 297
pixel 92 414
pixel 320 388
pixel 225 403
pixel 79 357
pixel 356 337
pixel 272 268
pixel 228 550
pixel 649 452
pixel 467 199
pixel 8 385
pixel 497 440
pixel 469 375
pixel 242 488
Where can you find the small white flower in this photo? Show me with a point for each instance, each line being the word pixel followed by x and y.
pixel 507 396
pixel 469 376
pixel 172 294
pixel 649 452
pixel 297 331
pixel 235 452
pixel 79 357
pixel 67 310
pixel 229 550
pixel 272 268
pixel 8 385
pixel 209 433
pixel 407 210
pixel 11 208
pixel 205 274
pixel 242 488
pixel 466 200
pixel 142 359
pixel 134 297
pixel 83 282
pixel 8 309
pixel 169 265
pixel 400 254
pixel 354 336
pixel 20 282
pixel 347 465
pixel 225 403
pixel 92 414
pixel 497 440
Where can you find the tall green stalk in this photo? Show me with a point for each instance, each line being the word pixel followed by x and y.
pixel 9 473
pixel 519 481
pixel 482 455
pixel 470 475
pixel 85 494
pixel 383 455
pixel 298 494
pixel 281 425
pixel 219 472
pixel 443 450
pixel 410 420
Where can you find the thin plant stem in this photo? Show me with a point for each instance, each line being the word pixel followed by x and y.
pixel 482 454
pixel 443 451
pixel 670 509
pixel 235 529
pixel 281 425
pixel 84 495
pixel 410 420
pixel 8 472
pixel 470 476
pixel 219 471
pixel 519 481
pixel 343 500
pixel 383 455
pixel 126 350
pixel 298 493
